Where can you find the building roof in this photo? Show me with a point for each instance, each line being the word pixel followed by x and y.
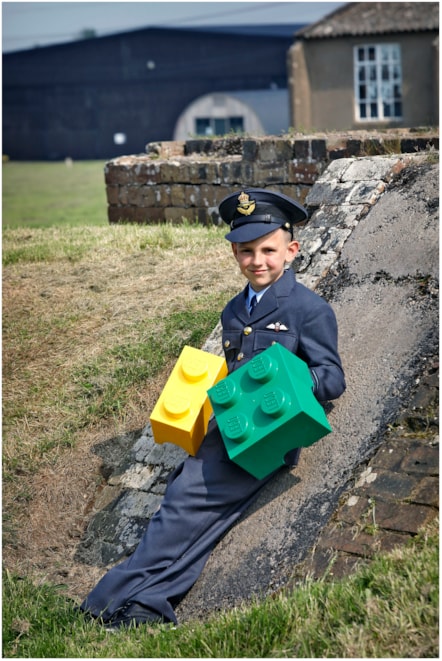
pixel 271 31
pixel 264 30
pixel 363 18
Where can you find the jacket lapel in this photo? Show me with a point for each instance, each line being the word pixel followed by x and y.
pixel 270 301
pixel 240 308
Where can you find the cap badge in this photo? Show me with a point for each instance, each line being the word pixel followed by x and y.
pixel 246 206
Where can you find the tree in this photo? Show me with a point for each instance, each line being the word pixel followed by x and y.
pixel 87 33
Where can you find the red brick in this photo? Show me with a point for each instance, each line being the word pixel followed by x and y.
pixel 422 460
pixel 112 193
pixel 134 195
pixel 146 172
pixel 402 517
pixel 119 214
pixel 117 174
pixel 174 172
pixel 427 492
pixel 176 215
pixel 389 484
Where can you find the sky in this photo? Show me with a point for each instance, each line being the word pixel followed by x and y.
pixel 30 24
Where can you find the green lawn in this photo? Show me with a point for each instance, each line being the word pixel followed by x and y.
pixel 53 194
pixel 387 610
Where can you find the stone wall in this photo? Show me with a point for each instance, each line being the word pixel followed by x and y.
pixel 173 181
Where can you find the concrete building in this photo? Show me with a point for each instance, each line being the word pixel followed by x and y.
pixel 367 65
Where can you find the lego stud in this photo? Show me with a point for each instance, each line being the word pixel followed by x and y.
pixel 262 368
pixel 237 428
pixel 176 406
pixel 194 369
pixel 275 403
pixel 225 393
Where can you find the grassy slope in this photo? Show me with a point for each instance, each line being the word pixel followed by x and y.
pixel 389 609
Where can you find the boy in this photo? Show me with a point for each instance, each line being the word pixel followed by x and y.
pixel 207 493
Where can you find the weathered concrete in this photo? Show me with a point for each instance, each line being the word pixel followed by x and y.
pixel 371 248
pixel 386 328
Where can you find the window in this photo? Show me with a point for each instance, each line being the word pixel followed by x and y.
pixel 378 82
pixel 218 125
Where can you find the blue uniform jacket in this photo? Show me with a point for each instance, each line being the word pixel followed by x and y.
pixel 297 318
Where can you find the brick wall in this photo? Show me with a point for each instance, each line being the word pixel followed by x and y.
pixel 188 179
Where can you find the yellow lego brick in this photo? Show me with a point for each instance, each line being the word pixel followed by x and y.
pixel 181 414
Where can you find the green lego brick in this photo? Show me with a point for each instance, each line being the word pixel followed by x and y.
pixel 267 408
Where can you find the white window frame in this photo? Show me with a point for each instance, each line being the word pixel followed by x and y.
pixel 377 82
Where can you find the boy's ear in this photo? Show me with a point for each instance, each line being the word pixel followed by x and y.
pixel 235 249
pixel 293 249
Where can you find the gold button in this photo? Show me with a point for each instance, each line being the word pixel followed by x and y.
pixel 227 344
pixel 247 330
pixel 240 356
pixel 274 342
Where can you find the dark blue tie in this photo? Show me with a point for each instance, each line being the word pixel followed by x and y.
pixel 253 303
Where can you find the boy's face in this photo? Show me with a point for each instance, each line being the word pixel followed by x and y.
pixel 262 261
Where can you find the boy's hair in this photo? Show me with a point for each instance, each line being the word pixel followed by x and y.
pixel 290 231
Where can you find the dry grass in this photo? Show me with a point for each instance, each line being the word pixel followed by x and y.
pixel 60 315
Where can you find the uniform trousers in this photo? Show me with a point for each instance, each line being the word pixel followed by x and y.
pixel 205 495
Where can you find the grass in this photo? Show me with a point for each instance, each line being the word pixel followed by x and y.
pixel 387 609
pixel 94 317
pixel 82 333
pixel 52 194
